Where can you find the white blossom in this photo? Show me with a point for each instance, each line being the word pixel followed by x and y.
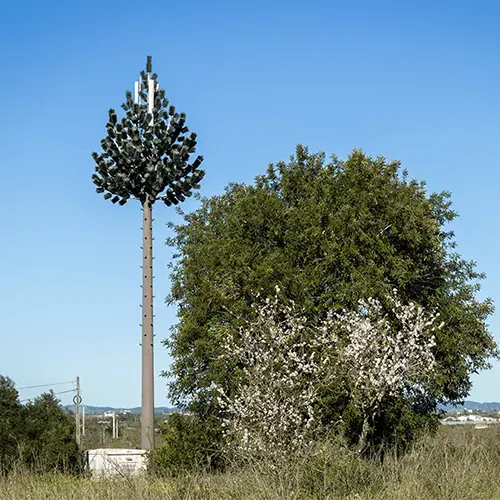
pixel 286 361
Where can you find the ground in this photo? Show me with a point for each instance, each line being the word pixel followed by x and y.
pixel 461 462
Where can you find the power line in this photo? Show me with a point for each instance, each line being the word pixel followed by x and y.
pixel 64 392
pixel 44 385
pixel 55 394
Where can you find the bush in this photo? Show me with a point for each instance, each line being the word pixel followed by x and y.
pixel 50 436
pixel 188 446
pixel 39 436
pixel 11 423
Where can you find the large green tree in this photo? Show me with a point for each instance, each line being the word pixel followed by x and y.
pixel 11 424
pixel 50 436
pixel 39 435
pixel 329 233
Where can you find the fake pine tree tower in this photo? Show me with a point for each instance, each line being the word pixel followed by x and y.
pixel 146 157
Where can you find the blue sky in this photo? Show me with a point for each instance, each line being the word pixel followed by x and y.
pixel 414 81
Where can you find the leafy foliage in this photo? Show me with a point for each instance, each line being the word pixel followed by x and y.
pixel 11 424
pixel 146 156
pixel 286 362
pixel 50 436
pixel 188 445
pixel 329 233
pixel 39 435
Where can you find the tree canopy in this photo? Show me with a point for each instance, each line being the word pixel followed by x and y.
pixel 11 421
pixel 50 435
pixel 329 233
pixel 39 435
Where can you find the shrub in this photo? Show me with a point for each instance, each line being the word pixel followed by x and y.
pixel 188 445
pixel 39 436
pixel 50 436
pixel 285 361
pixel 11 424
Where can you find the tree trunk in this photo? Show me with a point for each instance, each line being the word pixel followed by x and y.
pixel 362 443
pixel 147 414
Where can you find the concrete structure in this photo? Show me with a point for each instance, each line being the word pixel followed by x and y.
pixel 106 462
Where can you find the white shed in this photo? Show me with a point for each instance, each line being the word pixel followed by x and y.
pixel 105 462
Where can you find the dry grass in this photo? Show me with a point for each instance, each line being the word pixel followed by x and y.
pixel 460 463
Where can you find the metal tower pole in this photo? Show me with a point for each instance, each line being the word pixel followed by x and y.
pixel 147 414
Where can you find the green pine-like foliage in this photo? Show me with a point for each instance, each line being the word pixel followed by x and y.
pixel 144 156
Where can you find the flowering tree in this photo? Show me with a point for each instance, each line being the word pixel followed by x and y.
pixel 330 232
pixel 386 354
pixel 285 362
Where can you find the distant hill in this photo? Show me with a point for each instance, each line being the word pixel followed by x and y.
pixel 95 410
pixel 472 405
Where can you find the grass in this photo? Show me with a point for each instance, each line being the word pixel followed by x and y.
pixel 460 463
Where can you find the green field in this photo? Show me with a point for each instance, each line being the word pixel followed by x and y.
pixel 461 463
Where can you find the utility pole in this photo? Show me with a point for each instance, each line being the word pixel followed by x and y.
pixel 115 425
pixel 147 410
pixel 77 401
pixel 83 421
pixel 146 157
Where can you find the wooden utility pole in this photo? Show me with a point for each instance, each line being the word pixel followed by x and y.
pixel 77 402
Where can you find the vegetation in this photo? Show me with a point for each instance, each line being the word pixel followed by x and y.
pixel 286 365
pixel 99 432
pixel 329 233
pixel 11 423
pixel 460 463
pixel 39 436
pixel 308 311
pixel 49 436
pixel 187 445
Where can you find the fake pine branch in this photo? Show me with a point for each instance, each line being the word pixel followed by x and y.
pixel 146 156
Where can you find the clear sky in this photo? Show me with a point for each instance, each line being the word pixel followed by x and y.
pixel 414 81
